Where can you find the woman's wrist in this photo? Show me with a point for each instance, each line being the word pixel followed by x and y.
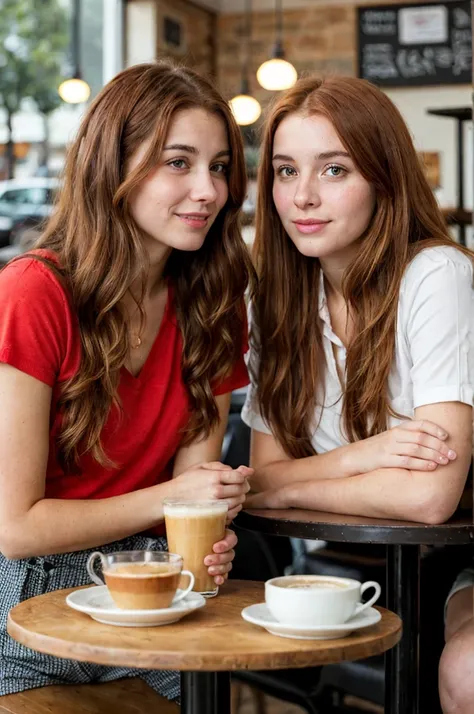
pixel 352 459
pixel 161 491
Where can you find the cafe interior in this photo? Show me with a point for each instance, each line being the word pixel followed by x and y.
pixel 254 49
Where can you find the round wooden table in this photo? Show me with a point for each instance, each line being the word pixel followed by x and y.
pixel 403 540
pixel 205 646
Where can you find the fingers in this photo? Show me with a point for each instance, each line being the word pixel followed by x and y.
pixel 422 445
pixel 232 514
pixel 408 462
pixel 220 562
pixel 226 544
pixel 246 470
pixel 428 427
pixel 219 559
pixel 423 453
pixel 215 466
pixel 234 477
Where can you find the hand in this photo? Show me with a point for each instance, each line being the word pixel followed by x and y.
pixel 415 445
pixel 220 562
pixel 278 498
pixel 214 481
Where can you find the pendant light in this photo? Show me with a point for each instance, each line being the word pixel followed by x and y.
pixel 245 108
pixel 75 90
pixel 276 73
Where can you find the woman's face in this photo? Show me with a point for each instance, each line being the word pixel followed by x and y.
pixel 178 202
pixel 323 201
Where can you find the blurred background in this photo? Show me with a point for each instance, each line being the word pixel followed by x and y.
pixel 55 55
pixel 420 54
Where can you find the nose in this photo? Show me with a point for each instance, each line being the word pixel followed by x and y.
pixel 306 194
pixel 203 188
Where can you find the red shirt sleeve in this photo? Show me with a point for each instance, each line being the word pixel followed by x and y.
pixel 33 320
pixel 239 377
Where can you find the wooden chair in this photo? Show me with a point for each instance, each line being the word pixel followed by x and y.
pixel 126 696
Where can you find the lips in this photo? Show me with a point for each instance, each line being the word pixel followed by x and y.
pixel 194 220
pixel 310 225
pixel 310 222
pixel 199 216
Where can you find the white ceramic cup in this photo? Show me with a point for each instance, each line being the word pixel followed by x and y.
pixel 315 600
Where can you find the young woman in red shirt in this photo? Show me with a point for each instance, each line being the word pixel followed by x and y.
pixel 121 338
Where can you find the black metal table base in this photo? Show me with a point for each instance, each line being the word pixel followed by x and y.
pixel 402 662
pixel 205 692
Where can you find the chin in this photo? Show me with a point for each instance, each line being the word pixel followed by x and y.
pixel 188 245
pixel 310 248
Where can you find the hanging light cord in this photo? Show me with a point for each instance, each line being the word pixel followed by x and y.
pixel 247 41
pixel 279 21
pixel 76 38
pixel 279 52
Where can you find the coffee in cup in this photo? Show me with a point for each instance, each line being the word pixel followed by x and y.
pixel 141 579
pixel 192 529
pixel 317 600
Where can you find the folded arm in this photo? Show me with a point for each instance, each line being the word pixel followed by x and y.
pixel 399 493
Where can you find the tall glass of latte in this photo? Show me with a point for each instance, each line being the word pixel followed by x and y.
pixel 192 528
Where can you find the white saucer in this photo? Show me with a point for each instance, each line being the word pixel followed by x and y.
pixel 96 602
pixel 260 615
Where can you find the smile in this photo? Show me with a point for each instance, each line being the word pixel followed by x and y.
pixel 194 220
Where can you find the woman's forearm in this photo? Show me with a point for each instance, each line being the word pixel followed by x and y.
pixel 397 494
pixel 335 464
pixel 61 525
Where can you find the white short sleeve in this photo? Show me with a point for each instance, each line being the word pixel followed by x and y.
pixel 250 411
pixel 437 315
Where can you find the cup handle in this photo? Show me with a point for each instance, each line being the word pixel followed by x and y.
pixel 185 592
pixel 360 607
pixel 90 568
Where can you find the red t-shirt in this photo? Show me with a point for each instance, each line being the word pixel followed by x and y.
pixel 39 335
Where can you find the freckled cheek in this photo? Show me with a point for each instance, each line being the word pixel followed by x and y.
pixel 283 200
pixel 222 196
pixel 358 203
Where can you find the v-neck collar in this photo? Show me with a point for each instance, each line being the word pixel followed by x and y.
pixel 143 373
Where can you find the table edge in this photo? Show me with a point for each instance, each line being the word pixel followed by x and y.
pixel 444 534
pixel 285 660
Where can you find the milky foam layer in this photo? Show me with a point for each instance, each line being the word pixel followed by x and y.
pixel 194 511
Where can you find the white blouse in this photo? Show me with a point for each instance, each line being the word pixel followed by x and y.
pixel 434 346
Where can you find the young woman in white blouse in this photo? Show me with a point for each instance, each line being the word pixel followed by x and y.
pixel 362 335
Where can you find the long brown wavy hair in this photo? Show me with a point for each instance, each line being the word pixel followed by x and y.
pixel 101 254
pixel 287 332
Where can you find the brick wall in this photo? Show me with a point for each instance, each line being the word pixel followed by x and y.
pixel 321 38
pixel 199 34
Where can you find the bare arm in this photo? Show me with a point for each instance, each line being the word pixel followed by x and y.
pixel 31 524
pixel 397 493
pixel 208 449
pixel 418 444
pixel 274 468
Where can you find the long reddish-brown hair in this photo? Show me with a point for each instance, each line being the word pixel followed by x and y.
pixel 286 332
pixel 101 254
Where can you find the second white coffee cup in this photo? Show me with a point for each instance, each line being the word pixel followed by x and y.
pixel 315 600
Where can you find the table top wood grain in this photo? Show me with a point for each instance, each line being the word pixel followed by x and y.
pixel 215 638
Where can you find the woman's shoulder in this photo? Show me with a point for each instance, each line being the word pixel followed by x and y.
pixel 435 257
pixel 33 273
pixel 437 261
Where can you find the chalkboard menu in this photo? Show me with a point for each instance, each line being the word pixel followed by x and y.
pixel 414 45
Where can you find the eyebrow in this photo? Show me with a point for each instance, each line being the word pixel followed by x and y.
pixel 193 150
pixel 321 157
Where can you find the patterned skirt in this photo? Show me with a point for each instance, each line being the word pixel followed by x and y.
pixel 22 668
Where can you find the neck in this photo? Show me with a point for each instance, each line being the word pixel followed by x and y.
pixel 155 283
pixel 158 255
pixel 334 267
